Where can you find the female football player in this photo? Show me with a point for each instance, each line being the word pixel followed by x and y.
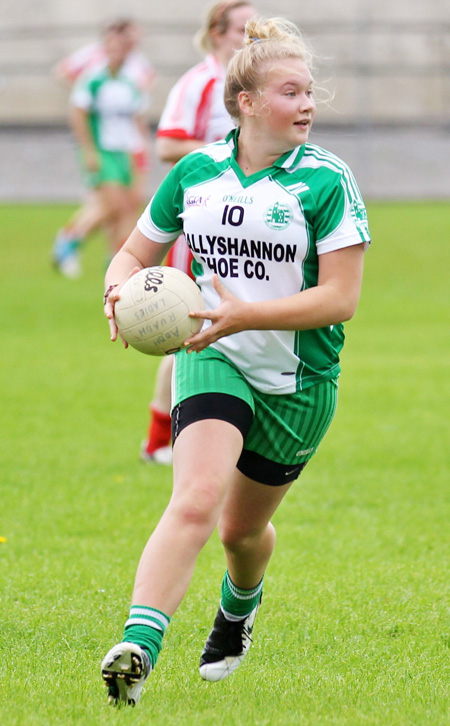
pixel 278 229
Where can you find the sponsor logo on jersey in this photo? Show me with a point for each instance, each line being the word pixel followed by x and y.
pixel 238 199
pixel 279 216
pixel 196 200
pixel 304 452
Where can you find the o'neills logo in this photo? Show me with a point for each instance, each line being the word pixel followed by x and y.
pixel 197 200
pixel 279 216
pixel 238 199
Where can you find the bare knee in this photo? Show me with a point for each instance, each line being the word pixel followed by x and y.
pixel 197 507
pixel 241 536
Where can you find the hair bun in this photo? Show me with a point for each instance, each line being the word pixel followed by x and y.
pixel 258 29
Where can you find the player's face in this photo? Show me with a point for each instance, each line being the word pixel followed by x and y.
pixel 284 109
pixel 116 49
pixel 233 38
pixel 132 37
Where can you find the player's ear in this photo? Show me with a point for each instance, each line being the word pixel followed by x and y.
pixel 246 103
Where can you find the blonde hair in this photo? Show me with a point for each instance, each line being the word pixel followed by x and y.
pixel 217 18
pixel 265 40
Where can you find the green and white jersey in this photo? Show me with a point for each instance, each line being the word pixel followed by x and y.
pixel 262 235
pixel 112 103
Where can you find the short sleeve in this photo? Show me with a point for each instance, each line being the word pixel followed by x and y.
pixel 81 96
pixel 341 217
pixel 160 220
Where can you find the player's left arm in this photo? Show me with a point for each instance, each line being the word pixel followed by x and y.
pixel 171 149
pixel 142 124
pixel 143 129
pixel 333 300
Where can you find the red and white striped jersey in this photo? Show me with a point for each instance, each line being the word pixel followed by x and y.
pixel 195 107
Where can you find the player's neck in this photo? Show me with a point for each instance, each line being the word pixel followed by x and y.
pixel 255 153
pixel 223 57
pixel 114 69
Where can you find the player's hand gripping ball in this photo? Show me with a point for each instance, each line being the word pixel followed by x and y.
pixel 152 312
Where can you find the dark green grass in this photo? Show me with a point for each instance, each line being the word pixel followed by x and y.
pixel 355 626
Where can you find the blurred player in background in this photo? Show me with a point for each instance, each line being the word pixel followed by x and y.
pixel 93 56
pixel 194 115
pixel 90 61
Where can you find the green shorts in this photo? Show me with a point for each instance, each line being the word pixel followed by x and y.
pixel 116 167
pixel 286 429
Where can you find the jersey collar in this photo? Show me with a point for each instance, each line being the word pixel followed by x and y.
pixel 285 161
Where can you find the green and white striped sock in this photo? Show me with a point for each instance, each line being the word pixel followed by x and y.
pixel 237 603
pixel 146 627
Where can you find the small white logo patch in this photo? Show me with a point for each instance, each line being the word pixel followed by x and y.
pixel 303 452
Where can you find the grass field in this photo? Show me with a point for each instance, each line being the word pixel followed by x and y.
pixel 355 625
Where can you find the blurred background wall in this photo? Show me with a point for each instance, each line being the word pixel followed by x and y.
pixel 386 60
pixel 387 63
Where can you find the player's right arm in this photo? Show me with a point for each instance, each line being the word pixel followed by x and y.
pixel 149 242
pixel 80 126
pixel 138 252
pixel 81 103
